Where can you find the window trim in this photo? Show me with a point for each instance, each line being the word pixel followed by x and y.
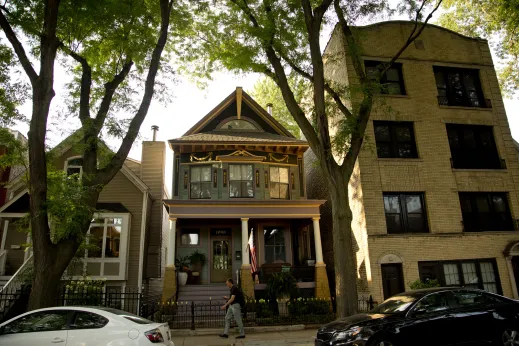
pixel 123 250
pixel 242 181
pixel 403 207
pixel 226 120
pixel 67 166
pixel 439 271
pixel 210 181
pixel 279 182
pixel 286 239
pixel 383 80
pixel 493 213
pixel 393 142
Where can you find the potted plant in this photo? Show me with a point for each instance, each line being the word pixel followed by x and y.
pixel 281 287
pixel 182 264
pixel 198 260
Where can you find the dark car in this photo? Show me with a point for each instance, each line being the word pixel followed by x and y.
pixel 435 317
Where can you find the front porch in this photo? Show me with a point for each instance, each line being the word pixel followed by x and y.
pixel 277 236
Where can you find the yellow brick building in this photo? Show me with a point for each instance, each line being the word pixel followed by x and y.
pixel 434 192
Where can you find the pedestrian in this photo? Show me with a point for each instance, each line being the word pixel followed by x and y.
pixel 234 303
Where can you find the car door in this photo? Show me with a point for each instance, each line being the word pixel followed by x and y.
pixel 85 330
pixel 429 321
pixel 474 317
pixel 47 327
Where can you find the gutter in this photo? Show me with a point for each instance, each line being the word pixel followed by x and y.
pixel 143 232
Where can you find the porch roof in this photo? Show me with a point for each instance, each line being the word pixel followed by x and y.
pixel 218 209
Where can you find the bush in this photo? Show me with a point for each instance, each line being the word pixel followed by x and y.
pixel 84 292
pixel 418 284
pixel 312 306
pixel 281 285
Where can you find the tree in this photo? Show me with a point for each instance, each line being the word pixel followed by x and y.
pixel 113 50
pixel 277 38
pixel 266 91
pixel 495 20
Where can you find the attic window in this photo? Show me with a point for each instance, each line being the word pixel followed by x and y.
pixel 74 166
pixel 238 124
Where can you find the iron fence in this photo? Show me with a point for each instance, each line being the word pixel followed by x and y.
pixel 127 300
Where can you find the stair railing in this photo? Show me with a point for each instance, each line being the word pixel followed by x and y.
pixel 14 285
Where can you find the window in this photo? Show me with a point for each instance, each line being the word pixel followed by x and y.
pixel 190 237
pixel 464 298
pixel 74 167
pixel 241 181
pixel 395 139
pixel 405 213
pixel 459 87
pixel 473 147
pixel 45 321
pixel 477 273
pixel 274 245
pixel 279 183
pixel 392 81
pixel 88 320
pixel 200 186
pixel 485 212
pixel 433 303
pixel 238 125
pixel 104 239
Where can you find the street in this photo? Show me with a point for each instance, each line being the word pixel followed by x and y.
pixel 299 338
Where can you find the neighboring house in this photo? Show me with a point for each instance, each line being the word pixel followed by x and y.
pixel 128 229
pixel 434 192
pixel 239 175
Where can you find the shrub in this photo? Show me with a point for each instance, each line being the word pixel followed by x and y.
pixel 418 284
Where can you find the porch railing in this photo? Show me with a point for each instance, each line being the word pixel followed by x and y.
pixel 12 290
pixel 3 256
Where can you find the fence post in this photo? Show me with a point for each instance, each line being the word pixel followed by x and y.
pixel 192 315
pixel 370 302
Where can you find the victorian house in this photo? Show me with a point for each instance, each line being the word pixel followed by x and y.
pixel 239 197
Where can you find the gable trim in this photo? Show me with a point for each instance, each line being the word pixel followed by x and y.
pixel 12 200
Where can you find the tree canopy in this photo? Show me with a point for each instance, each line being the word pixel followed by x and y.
pixel 495 20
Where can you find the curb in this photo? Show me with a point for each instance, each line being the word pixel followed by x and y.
pixel 257 329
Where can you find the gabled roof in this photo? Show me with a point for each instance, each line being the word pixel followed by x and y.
pixel 239 96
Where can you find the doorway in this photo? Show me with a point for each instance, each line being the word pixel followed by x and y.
pixel 515 267
pixel 221 258
pixel 392 279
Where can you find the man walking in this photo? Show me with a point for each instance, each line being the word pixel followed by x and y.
pixel 235 302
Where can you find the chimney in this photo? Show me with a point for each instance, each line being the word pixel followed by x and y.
pixel 154 128
pixel 269 108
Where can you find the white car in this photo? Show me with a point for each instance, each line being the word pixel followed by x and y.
pixel 83 326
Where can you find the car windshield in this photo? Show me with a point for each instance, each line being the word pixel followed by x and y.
pixel 394 305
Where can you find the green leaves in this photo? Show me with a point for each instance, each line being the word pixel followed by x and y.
pixel 495 20
pixel 14 91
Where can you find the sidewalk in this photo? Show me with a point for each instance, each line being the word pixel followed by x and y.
pixel 293 338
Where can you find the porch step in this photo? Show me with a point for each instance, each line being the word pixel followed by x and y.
pixel 4 280
pixel 202 293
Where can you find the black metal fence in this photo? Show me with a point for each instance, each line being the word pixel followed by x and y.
pixel 128 300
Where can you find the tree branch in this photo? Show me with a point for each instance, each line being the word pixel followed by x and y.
pixel 18 48
pixel 86 86
pixel 106 174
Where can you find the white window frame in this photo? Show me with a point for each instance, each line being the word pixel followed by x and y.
pixel 67 166
pixel 123 248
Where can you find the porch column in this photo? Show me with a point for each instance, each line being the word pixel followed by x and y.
pixel 322 287
pixel 247 284
pixel 170 278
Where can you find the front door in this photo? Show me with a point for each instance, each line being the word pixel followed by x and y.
pixel 392 279
pixel 221 259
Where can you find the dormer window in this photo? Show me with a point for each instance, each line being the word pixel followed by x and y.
pixel 238 124
pixel 74 165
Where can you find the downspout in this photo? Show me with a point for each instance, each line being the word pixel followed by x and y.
pixel 143 233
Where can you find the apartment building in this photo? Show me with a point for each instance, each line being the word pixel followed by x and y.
pixel 434 191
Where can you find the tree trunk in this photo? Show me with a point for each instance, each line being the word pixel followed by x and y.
pixel 343 248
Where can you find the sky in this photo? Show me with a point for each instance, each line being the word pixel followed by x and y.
pixel 190 104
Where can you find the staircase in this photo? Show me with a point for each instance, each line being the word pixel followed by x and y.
pixel 3 280
pixel 203 293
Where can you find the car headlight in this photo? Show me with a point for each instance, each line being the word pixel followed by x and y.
pixel 346 334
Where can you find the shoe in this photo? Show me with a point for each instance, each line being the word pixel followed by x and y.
pixel 240 337
pixel 224 335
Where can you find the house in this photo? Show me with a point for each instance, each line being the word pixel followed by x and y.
pixel 239 179
pixel 129 227
pixel 434 192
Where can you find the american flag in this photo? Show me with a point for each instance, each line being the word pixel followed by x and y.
pixel 252 253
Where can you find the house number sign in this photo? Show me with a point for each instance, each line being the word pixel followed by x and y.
pixel 221 232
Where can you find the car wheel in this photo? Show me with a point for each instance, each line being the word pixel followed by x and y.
pixel 510 337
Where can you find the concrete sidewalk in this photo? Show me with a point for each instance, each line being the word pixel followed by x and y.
pixel 293 338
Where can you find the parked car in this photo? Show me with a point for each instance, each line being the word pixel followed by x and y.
pixel 83 326
pixel 435 317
